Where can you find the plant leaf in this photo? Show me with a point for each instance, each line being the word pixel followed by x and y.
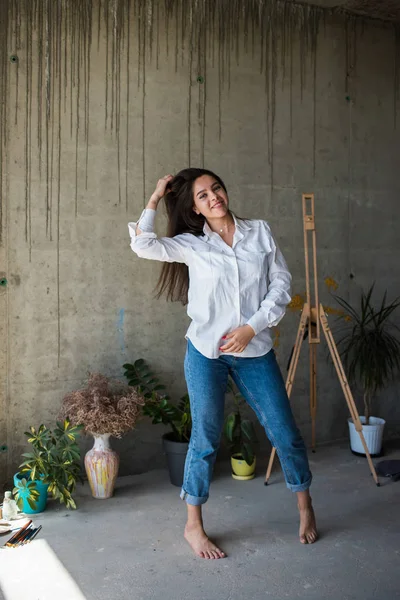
pixel 31 503
pixel 248 430
pixel 247 453
pixel 230 425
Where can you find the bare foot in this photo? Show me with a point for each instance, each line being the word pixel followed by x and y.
pixel 200 543
pixel 308 528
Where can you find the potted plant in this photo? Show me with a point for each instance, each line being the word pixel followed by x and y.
pixel 104 407
pixel 53 466
pixel 241 437
pixel 160 409
pixel 371 355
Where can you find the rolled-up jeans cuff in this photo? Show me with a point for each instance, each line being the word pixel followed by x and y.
pixel 302 487
pixel 194 500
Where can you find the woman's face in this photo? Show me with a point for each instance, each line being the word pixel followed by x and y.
pixel 210 198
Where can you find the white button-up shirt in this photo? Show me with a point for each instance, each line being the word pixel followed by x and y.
pixel 248 284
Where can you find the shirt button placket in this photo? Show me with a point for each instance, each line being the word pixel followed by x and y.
pixel 237 290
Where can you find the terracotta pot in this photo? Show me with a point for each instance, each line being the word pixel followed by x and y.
pixel 101 464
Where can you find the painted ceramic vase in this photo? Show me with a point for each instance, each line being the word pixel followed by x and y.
pixel 101 464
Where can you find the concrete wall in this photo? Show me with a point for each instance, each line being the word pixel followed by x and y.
pixel 78 299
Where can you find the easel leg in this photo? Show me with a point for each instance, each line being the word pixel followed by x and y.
pixel 313 392
pixel 346 389
pixel 292 371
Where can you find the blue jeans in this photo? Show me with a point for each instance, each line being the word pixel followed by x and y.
pixel 260 382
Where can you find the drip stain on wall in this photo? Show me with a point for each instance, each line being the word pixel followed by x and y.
pixel 57 43
pixel 52 45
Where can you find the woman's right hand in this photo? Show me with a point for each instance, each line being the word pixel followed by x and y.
pixel 159 192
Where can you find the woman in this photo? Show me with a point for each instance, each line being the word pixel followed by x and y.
pixel 236 283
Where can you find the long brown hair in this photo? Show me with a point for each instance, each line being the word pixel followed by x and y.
pixel 179 202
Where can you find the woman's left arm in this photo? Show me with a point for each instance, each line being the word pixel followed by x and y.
pixel 273 306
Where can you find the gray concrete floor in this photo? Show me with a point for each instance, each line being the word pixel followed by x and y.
pixel 131 546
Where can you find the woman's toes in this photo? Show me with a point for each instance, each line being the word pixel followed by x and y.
pixel 201 544
pixel 303 539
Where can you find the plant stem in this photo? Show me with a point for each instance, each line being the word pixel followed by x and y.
pixel 176 432
pixel 367 404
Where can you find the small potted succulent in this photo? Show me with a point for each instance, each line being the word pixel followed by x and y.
pixel 104 407
pixel 52 467
pixel 159 407
pixel 241 437
pixel 371 356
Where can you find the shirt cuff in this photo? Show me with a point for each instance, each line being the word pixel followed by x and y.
pixel 146 220
pixel 260 321
pixel 257 323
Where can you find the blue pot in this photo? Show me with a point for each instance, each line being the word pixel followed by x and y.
pixel 41 488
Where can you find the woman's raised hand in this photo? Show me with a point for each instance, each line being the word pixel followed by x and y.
pixel 156 196
pixel 159 192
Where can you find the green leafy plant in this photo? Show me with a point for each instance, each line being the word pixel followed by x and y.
pixel 54 460
pixel 28 490
pixel 158 405
pixel 368 346
pixel 239 432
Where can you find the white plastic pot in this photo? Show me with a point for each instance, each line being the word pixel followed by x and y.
pixel 373 434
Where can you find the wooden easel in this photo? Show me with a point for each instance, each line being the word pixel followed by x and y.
pixel 313 317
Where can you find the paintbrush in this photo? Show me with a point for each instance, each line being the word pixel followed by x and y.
pixel 29 535
pixel 18 534
pixel 23 537
pixel 34 534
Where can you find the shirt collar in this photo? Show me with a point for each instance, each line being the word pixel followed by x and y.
pixel 240 227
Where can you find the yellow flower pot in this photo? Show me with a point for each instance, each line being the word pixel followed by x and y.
pixel 241 470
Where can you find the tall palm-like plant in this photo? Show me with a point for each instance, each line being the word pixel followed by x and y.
pixel 368 345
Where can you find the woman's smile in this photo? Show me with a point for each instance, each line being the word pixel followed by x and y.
pixel 217 204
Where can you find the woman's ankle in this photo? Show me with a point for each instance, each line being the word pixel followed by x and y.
pixel 194 517
pixel 304 500
pixel 192 525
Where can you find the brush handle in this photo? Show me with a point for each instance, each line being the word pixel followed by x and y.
pixel 23 537
pixel 14 538
pixel 34 533
pixel 28 536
